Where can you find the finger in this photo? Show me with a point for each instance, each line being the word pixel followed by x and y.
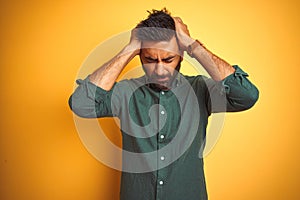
pixel 177 19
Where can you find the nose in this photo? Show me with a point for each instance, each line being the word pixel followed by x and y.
pixel 159 69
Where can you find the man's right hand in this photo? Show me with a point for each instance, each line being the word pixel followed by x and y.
pixel 106 75
pixel 134 43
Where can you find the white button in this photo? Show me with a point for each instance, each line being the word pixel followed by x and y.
pixel 161 182
pixel 162 92
pixel 162 136
pixel 162 158
pixel 162 112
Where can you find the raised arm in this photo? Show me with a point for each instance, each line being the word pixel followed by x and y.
pixel 105 76
pixel 229 89
pixel 93 96
pixel 217 68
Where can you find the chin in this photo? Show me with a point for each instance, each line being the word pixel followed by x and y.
pixel 163 86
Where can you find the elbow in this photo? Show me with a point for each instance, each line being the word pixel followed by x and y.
pixel 80 109
pixel 251 98
pixel 243 102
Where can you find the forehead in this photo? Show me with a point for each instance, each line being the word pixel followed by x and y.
pixel 160 47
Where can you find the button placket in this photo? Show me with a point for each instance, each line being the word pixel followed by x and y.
pixel 161 174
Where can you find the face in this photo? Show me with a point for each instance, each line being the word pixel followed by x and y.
pixel 160 61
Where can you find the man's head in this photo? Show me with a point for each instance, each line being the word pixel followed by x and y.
pixel 160 54
pixel 159 26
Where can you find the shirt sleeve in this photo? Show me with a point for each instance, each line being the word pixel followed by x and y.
pixel 91 101
pixel 234 93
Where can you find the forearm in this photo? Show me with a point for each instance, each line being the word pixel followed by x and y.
pixel 106 75
pixel 216 67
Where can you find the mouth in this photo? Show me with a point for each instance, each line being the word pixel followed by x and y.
pixel 162 80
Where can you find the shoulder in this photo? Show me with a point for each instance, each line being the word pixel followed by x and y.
pixel 126 86
pixel 198 81
pixel 133 82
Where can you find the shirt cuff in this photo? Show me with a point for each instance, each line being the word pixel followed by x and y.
pixel 93 91
pixel 238 74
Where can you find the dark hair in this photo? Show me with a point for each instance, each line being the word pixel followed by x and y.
pixel 159 26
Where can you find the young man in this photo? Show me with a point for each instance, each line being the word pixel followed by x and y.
pixel 163 114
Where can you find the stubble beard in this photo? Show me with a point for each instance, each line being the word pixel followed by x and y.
pixel 164 85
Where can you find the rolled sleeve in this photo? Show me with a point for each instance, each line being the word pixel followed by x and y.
pixel 234 93
pixel 91 101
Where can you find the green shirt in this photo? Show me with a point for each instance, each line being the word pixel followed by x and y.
pixel 166 129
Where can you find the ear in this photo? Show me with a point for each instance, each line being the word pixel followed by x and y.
pixel 181 51
pixel 181 54
pixel 140 56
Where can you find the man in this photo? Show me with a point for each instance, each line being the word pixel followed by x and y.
pixel 164 111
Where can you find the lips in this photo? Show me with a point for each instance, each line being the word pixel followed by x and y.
pixel 161 80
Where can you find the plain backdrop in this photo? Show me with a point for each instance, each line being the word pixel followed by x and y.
pixel 43 45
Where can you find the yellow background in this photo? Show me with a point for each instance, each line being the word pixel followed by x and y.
pixel 43 44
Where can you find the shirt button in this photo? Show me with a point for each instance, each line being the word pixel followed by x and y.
pixel 162 136
pixel 162 92
pixel 162 158
pixel 162 112
pixel 161 182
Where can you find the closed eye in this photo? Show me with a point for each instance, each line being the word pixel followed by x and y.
pixel 169 59
pixel 151 60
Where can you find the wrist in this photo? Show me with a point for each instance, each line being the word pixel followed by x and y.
pixel 133 48
pixel 192 46
pixel 186 42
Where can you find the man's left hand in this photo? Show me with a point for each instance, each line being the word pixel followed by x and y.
pixel 183 34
